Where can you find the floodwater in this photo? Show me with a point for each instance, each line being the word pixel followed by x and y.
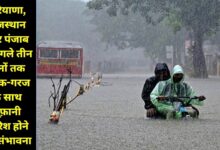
pixel 111 117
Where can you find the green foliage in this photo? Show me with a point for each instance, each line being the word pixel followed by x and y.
pixel 132 31
pixel 201 17
pixel 173 21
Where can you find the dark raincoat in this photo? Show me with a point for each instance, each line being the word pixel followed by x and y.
pixel 151 82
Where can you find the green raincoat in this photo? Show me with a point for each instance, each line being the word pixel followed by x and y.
pixel 169 88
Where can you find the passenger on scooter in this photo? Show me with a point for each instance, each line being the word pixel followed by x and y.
pixel 161 73
pixel 175 87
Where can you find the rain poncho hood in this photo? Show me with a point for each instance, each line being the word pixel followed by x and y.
pixel 161 67
pixel 176 70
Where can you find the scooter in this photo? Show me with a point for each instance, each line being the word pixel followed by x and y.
pixel 187 110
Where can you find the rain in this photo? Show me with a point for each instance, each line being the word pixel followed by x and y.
pixel 120 42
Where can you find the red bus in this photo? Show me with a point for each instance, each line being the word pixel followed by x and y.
pixel 54 58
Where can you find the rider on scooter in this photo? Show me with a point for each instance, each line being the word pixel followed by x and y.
pixel 174 87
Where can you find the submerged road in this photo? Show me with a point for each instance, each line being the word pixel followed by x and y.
pixel 111 117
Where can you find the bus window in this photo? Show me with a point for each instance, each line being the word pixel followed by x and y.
pixel 70 54
pixel 47 53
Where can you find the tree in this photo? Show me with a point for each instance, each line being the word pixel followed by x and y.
pixel 132 31
pixel 200 17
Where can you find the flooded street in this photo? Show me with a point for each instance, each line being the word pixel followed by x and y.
pixel 111 117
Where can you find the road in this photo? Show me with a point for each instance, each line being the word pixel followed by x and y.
pixel 111 117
